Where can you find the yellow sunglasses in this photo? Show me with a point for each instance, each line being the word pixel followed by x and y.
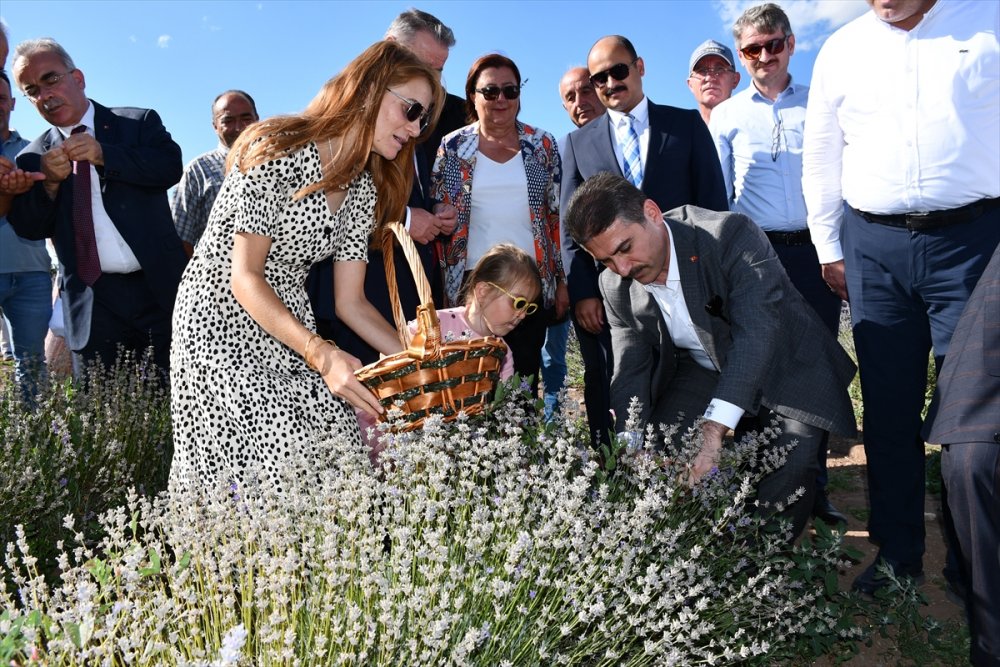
pixel 520 303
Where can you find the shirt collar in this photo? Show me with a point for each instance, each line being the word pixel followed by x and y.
pixel 87 120
pixel 790 89
pixel 222 148
pixel 14 136
pixel 640 112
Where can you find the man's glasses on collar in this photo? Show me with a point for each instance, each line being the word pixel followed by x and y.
pixel 414 110
pixel 617 72
pixel 772 46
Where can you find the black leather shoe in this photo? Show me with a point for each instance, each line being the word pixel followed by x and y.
pixel 871 580
pixel 824 510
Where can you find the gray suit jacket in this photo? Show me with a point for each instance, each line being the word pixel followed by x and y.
pixel 771 347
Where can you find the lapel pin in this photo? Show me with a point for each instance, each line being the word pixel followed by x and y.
pixel 694 258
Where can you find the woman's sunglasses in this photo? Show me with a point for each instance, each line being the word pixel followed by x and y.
pixel 414 110
pixel 493 91
pixel 772 46
pixel 617 72
pixel 520 303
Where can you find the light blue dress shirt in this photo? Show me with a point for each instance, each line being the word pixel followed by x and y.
pixel 760 149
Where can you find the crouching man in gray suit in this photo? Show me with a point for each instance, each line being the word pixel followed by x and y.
pixel 704 322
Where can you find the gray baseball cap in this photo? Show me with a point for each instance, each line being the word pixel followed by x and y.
pixel 711 48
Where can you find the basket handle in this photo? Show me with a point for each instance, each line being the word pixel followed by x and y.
pixel 427 341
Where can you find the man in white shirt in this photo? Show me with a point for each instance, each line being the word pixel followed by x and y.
pixel 901 175
pixel 705 323
pixel 764 120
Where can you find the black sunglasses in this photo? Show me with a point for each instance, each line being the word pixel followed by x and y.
pixel 772 46
pixel 493 91
pixel 617 72
pixel 414 110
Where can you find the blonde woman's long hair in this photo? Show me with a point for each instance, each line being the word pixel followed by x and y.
pixel 347 106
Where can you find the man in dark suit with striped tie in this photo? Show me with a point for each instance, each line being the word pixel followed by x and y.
pixel 104 204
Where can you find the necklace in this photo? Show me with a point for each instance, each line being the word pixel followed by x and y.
pixel 329 148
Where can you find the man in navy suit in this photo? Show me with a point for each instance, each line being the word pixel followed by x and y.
pixel 675 164
pixel 124 296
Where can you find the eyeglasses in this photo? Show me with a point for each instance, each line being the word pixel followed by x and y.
pixel 772 46
pixel 520 303
pixel 414 110
pixel 776 140
pixel 492 92
pixel 617 72
pixel 706 72
pixel 48 82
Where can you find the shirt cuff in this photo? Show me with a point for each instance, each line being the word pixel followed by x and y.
pixel 724 412
pixel 406 224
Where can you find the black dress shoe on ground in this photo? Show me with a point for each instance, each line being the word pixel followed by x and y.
pixel 872 580
pixel 824 510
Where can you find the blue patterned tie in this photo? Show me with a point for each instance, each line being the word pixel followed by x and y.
pixel 633 165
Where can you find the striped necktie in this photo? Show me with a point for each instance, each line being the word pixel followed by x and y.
pixel 630 151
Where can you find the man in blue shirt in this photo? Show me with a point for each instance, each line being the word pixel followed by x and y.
pixel 25 281
pixel 758 133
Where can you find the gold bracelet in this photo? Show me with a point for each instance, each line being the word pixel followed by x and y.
pixel 305 353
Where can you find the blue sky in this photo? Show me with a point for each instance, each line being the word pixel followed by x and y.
pixel 177 56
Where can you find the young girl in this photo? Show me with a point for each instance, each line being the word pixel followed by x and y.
pixel 500 291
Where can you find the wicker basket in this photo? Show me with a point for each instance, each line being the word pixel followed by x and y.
pixel 429 377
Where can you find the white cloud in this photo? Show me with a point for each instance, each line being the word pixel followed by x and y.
pixel 132 39
pixel 812 20
pixel 163 41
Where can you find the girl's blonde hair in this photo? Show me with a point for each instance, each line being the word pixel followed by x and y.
pixel 347 107
pixel 505 265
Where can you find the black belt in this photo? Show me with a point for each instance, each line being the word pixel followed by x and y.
pixel 798 237
pixel 922 222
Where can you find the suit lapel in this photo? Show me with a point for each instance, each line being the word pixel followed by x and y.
pixel 104 123
pixel 598 148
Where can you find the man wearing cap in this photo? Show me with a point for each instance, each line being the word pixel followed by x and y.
pixel 664 151
pixel 713 76
pixel 914 153
pixel 758 134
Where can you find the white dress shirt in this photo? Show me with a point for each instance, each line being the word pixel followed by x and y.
pixel 116 256
pixel 640 116
pixel 903 121
pixel 670 298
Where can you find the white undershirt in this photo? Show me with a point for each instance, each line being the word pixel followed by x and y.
pixel 500 212
pixel 115 254
pixel 670 298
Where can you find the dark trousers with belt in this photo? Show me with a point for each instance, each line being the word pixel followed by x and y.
pixel 595 351
pixel 907 290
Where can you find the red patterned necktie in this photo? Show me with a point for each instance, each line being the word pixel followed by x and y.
pixel 88 263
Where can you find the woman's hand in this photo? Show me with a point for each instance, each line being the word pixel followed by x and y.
pixel 339 378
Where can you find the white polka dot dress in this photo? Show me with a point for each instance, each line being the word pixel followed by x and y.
pixel 241 400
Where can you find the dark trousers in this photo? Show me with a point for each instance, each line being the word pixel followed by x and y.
pixel 803 269
pixel 525 342
pixel 971 473
pixel 126 315
pixel 691 388
pixel 595 351
pixel 907 291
